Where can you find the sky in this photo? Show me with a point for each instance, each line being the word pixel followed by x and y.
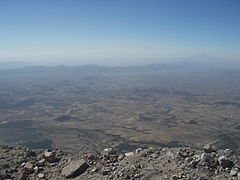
pixel 117 32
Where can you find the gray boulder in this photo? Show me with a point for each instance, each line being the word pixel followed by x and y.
pixel 75 168
pixel 29 167
pixel 49 156
pixel 41 163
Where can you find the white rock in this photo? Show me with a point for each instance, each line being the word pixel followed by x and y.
pixel 129 154
pixel 138 150
pixel 234 172
pixel 40 175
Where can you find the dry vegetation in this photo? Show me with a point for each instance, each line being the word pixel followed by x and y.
pixel 90 107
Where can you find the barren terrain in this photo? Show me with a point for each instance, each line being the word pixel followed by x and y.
pixel 93 107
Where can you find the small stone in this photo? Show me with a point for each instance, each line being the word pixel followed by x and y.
pixel 188 159
pixel 224 162
pixel 110 176
pixel 29 167
pixel 139 165
pixel 31 154
pixel 228 152
pixel 91 156
pixel 154 155
pixel 105 172
pixel 121 157
pixel 175 177
pixel 137 175
pixel 133 167
pixel 129 154
pixel 138 150
pixel 205 157
pixel 53 164
pixel 193 163
pixel 234 172
pixel 41 163
pixel 36 169
pixel 94 170
pixel 49 156
pixel 109 151
pixel 208 148
pixel 41 175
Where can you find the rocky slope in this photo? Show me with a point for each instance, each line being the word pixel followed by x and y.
pixel 21 163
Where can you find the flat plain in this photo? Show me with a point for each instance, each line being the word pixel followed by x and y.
pixel 90 107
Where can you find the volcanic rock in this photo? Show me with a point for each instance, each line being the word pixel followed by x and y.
pixel 151 163
pixel 29 167
pixel 75 168
pixel 41 163
pixel 224 162
pixel 49 156
pixel 234 172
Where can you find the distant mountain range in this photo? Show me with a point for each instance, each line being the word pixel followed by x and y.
pixel 196 62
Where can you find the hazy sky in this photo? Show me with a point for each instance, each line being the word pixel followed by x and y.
pixel 117 31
